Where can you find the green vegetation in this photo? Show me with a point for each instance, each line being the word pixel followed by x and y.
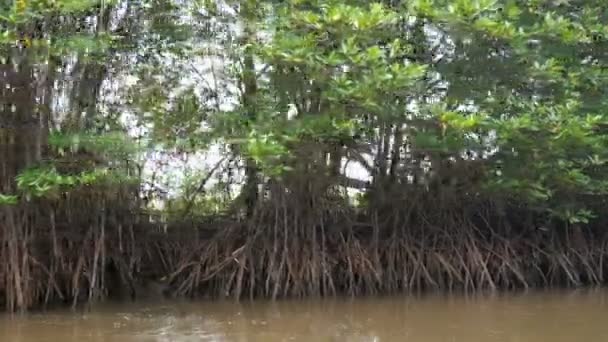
pixel 477 132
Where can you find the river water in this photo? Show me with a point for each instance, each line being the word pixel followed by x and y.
pixel 547 316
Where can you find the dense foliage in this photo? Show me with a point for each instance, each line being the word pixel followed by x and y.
pixel 514 88
pixel 510 89
pixel 409 115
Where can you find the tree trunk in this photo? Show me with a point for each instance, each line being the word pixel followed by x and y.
pixel 250 190
pixel 23 135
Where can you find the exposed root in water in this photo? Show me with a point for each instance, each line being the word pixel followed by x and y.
pixel 54 255
pixel 284 253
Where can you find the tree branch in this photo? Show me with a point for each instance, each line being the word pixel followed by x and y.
pixel 201 186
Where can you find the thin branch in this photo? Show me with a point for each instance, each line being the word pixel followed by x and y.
pixel 201 187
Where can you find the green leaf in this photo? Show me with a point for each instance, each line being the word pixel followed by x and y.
pixel 8 199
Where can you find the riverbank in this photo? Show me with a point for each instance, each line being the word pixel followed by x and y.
pixel 285 253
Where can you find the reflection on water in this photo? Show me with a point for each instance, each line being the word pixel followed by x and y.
pixel 553 317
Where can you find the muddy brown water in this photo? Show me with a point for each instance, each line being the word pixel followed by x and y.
pixel 541 316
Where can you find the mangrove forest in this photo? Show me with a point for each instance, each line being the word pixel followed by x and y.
pixel 300 148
